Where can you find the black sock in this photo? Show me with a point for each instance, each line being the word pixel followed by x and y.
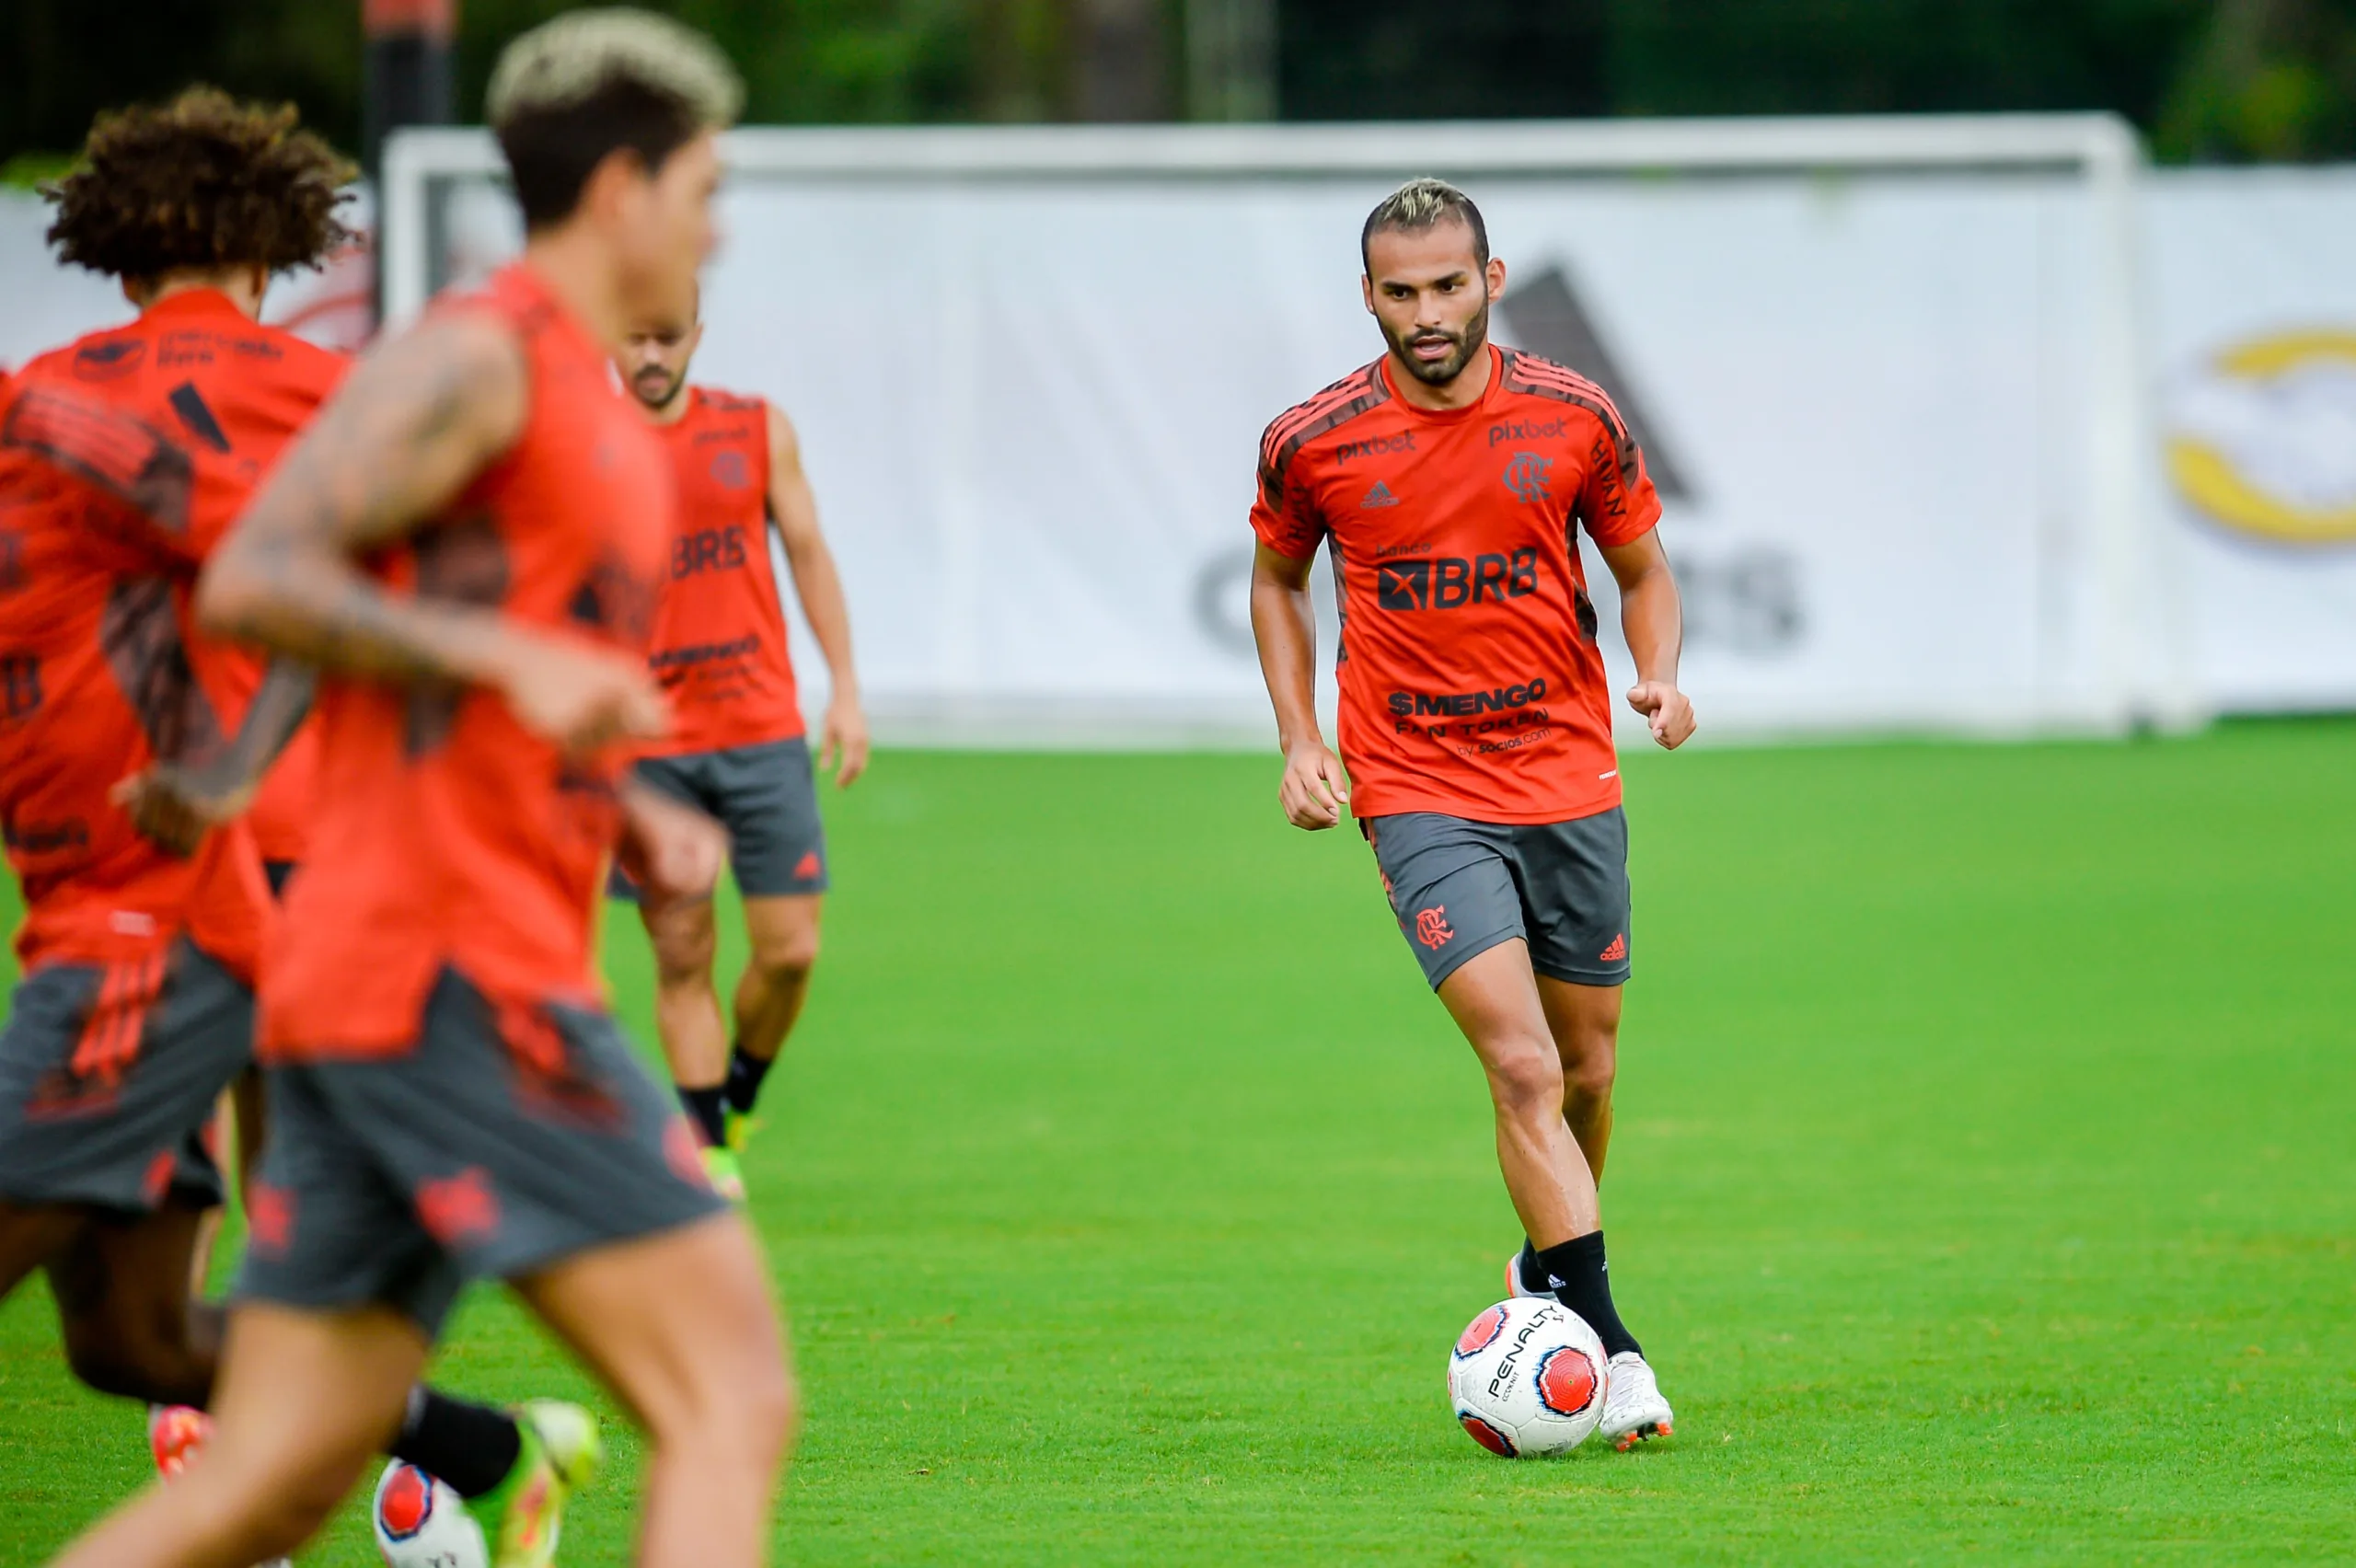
pixel 746 1072
pixel 1529 1273
pixel 469 1447
pixel 707 1108
pixel 1582 1280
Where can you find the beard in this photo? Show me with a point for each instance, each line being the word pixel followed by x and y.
pixel 1440 372
pixel 657 389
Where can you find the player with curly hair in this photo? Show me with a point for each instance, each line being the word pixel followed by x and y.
pixel 131 745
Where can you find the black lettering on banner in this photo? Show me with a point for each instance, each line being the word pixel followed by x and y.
pixel 21 685
pixel 12 560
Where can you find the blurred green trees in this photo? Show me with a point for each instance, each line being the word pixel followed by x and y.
pixel 2207 80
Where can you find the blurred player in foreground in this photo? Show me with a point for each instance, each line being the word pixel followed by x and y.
pixel 1447 478
pixel 469 542
pixel 736 749
pixel 131 743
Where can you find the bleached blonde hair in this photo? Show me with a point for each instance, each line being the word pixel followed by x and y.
pixel 563 61
pixel 1423 204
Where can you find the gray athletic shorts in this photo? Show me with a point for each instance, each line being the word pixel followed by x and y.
pixel 767 798
pixel 474 1156
pixel 1459 888
pixel 127 1136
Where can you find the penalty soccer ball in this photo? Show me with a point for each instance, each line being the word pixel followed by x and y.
pixel 1527 1378
pixel 420 1523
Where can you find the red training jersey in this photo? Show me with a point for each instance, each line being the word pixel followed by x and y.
pixel 719 645
pixel 125 457
pixel 1470 681
pixel 446 832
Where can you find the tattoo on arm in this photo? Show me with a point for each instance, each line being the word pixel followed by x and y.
pixel 279 708
pixel 412 427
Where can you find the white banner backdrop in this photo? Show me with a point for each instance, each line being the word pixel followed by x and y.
pixel 2254 275
pixel 1031 409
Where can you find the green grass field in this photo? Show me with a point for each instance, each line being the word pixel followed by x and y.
pixel 1984 1187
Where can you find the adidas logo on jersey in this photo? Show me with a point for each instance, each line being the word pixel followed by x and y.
pixel 1617 951
pixel 1379 496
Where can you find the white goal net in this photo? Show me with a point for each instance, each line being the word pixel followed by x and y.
pixel 1888 373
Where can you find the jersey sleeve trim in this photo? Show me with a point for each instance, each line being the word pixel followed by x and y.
pixel 120 454
pixel 1359 392
pixel 1529 375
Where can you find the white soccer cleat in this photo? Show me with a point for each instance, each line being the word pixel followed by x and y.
pixel 1515 1289
pixel 1632 1407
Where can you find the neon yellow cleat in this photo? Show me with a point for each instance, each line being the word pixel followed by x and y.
pixel 522 1518
pixel 742 1125
pixel 721 1169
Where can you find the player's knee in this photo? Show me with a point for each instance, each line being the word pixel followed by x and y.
pixel 685 963
pixel 1526 1077
pixel 770 1413
pixel 786 959
pixel 1588 1075
pixel 744 1415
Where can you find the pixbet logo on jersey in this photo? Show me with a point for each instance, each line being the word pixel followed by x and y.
pixel 1449 583
pixel 1526 430
pixel 1375 445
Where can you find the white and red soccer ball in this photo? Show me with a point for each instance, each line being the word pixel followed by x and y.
pixel 1527 1378
pixel 420 1523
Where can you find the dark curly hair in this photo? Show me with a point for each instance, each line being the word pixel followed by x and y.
pixel 203 181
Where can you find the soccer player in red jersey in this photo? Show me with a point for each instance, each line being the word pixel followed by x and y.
pixel 469 542
pixel 736 749
pixel 1446 480
pixel 130 743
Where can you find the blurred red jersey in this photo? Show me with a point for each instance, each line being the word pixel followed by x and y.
pixel 125 457
pixel 446 832
pixel 1470 681
pixel 720 643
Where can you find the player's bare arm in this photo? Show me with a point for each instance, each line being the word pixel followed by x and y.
pixel 1314 792
pixel 1653 619
pixel 176 803
pixel 843 741
pixel 416 422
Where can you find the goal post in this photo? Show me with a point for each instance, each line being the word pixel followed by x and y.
pixel 2005 247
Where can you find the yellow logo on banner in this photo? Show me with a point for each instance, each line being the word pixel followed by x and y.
pixel 2265 438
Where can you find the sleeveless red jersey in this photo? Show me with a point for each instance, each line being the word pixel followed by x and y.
pixel 446 832
pixel 125 457
pixel 719 641
pixel 1471 680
